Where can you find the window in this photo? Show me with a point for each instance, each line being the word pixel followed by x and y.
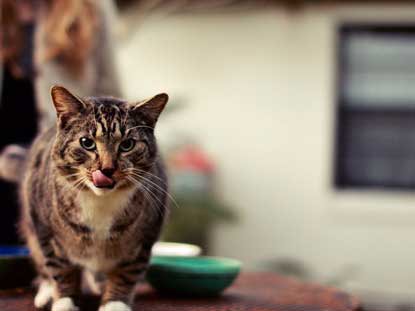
pixel 375 144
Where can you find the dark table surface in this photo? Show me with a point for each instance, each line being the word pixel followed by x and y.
pixel 251 291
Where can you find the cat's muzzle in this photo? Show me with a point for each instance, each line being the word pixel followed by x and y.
pixel 100 180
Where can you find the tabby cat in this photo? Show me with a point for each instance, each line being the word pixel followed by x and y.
pixel 94 198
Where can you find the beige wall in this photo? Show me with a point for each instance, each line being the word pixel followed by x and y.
pixel 259 86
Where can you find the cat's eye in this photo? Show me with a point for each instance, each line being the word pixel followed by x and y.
pixel 87 143
pixel 127 145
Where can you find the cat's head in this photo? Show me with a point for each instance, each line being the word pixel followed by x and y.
pixel 104 143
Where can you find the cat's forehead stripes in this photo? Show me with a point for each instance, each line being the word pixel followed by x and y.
pixel 108 120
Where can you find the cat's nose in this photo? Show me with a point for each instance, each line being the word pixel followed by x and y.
pixel 108 171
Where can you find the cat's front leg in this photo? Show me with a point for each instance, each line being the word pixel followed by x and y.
pixel 60 279
pixel 67 279
pixel 63 289
pixel 119 288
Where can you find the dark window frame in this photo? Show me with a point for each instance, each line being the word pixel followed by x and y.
pixel 344 30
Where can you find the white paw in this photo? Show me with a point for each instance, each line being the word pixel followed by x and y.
pixel 115 306
pixel 44 294
pixel 64 304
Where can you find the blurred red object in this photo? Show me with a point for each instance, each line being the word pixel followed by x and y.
pixel 192 158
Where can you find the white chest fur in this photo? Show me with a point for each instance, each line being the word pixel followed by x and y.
pixel 99 212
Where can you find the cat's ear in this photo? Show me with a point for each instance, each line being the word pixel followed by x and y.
pixel 152 108
pixel 66 103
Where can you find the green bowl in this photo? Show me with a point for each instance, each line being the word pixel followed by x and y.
pixel 195 276
pixel 16 269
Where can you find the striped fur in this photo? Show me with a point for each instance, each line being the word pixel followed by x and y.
pixel 70 225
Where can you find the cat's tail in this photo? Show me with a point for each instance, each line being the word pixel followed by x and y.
pixel 12 162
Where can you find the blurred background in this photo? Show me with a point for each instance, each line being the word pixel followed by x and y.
pixel 290 135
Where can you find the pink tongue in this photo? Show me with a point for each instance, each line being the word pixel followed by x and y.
pixel 100 180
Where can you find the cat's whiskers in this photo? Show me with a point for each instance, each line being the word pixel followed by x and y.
pixel 152 200
pixel 156 186
pixel 68 177
pixel 79 190
pixel 133 169
pixel 77 184
pixel 69 183
pixel 148 194
pixel 148 191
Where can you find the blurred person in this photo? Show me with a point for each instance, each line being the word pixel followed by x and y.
pixel 42 43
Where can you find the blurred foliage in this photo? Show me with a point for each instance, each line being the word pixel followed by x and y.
pixel 192 220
